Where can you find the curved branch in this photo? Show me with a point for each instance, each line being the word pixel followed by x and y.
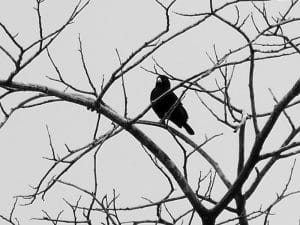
pixel 258 144
pixel 131 128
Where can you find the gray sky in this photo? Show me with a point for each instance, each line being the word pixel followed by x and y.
pixel 123 165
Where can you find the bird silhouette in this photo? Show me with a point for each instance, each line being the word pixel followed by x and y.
pixel 169 105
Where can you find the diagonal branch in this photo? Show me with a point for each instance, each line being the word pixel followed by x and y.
pixel 257 147
pixel 131 128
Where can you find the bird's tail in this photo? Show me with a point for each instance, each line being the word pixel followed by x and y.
pixel 188 129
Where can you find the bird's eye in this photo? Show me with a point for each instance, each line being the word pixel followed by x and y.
pixel 159 80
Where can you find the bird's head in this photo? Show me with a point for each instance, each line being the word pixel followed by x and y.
pixel 163 81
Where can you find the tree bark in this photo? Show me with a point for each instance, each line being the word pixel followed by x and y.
pixel 208 220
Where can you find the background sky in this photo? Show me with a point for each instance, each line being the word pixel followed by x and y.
pixel 105 26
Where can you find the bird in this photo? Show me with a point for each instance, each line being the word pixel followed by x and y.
pixel 169 104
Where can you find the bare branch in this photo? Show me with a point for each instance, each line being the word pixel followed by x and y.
pixel 284 112
pixel 39 2
pixel 123 87
pixel 257 146
pixel 10 219
pixel 50 38
pixel 85 68
pixel 61 79
pixel 11 36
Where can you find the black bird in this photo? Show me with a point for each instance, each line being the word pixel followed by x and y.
pixel 168 103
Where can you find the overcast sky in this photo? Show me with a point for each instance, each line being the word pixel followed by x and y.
pixel 105 26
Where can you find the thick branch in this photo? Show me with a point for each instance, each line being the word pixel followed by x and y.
pixel 131 128
pixel 258 144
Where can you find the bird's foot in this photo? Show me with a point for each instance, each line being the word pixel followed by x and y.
pixel 163 121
